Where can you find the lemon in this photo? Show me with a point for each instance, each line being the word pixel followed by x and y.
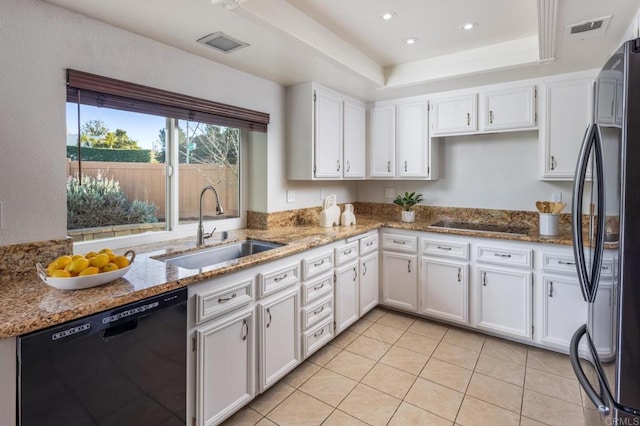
pixel 78 265
pixel 52 267
pixel 105 250
pixel 99 261
pixel 121 261
pixel 77 256
pixel 60 273
pixel 63 261
pixel 110 267
pixel 91 270
pixel 91 254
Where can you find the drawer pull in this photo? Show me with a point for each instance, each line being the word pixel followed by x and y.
pixel 318 333
pixel 459 273
pixel 226 299
pixel 490 117
pixel 269 313
pixel 445 248
pixel 399 242
pixel 317 311
pixel 364 266
pixel 468 119
pixel 318 263
pixel 550 288
pixel 318 287
pixel 409 266
pixel 562 262
pixel 245 329
pixel 606 268
pixel 355 274
pixel 369 244
pixel 347 252
pixel 502 255
pixel 484 279
pixel 276 279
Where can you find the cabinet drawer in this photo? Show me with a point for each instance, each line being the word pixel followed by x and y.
pixel 312 314
pixel 445 249
pixel 273 281
pixel 220 301
pixel 346 253
pixel 314 289
pixel 315 266
pixel 316 337
pixel 566 264
pixel 508 256
pixel 368 244
pixel 396 242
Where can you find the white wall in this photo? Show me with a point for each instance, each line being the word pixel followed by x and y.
pixel 496 171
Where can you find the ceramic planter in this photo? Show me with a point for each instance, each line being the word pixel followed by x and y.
pixel 408 216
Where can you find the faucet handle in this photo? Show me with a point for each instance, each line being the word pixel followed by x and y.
pixel 209 235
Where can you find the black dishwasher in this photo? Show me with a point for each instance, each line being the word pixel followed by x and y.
pixel 125 366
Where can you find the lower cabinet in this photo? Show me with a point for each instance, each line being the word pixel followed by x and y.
pixel 346 296
pixel 369 289
pixel 445 290
pixel 504 301
pixel 564 310
pixel 400 280
pixel 603 321
pixel 225 379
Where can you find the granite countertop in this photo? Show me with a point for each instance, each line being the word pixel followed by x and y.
pixel 28 304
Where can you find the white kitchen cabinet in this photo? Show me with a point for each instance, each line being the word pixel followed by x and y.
pixel 509 109
pixel 346 296
pixel 225 366
pixel 602 319
pixel 327 133
pixel 504 301
pixel 412 139
pixel 444 290
pixel 382 141
pixel 369 279
pixel 354 140
pixel 400 280
pixel 566 115
pixel 278 336
pixel 454 115
pixel 606 90
pixel 564 310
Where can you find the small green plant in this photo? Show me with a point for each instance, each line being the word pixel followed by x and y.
pixel 408 200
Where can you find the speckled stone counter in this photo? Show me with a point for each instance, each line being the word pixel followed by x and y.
pixel 27 304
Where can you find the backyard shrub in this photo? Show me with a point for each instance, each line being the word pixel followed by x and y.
pixel 106 154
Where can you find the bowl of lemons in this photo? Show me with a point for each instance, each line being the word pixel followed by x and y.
pixel 79 271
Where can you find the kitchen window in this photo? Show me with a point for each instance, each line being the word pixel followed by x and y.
pixel 138 157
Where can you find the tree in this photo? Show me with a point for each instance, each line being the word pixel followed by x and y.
pixel 95 134
pixel 92 131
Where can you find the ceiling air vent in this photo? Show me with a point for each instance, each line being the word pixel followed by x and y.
pixel 587 29
pixel 223 42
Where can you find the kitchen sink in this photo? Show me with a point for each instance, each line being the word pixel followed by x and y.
pixel 221 255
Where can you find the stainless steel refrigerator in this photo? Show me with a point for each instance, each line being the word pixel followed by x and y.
pixel 606 211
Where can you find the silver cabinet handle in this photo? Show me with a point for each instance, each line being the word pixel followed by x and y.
pixel 562 262
pixel 317 311
pixel 604 267
pixel 245 329
pixel 369 244
pixel 612 108
pixel 347 252
pixel 348 166
pixel 484 279
pixel 405 165
pixel 459 274
pixel 502 255
pixel 318 263
pixel 338 169
pixel 226 299
pixel 553 163
pixel 468 119
pixel 318 333
pixel 444 248
pixel 364 266
pixel 490 117
pixel 269 313
pixel 389 166
pixel 318 287
pixel 399 242
pixel 276 279
pixel 409 265
pixel 355 274
pixel 550 288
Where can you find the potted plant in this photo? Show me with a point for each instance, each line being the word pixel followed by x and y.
pixel 407 202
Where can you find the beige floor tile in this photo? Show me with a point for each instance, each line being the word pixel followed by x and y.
pixel 351 365
pixel 415 342
pixel 266 422
pixel 496 392
pixel 505 350
pixel 452 354
pixel 340 418
pixel 300 409
pixel 551 411
pixel 370 405
pixel 368 347
pixel 343 339
pixel 324 355
pixel 405 360
pixel 445 374
pixel 553 385
pixel 464 338
pixel 397 320
pixel 389 380
pixel 245 417
pixel 272 397
pixel 525 421
pixel 429 329
pixel 383 333
pixel 360 326
pixel 375 314
pixel 500 369
pixel 301 374
pixel 551 362
pixel 328 387
pixel 475 412
pixel 435 398
pixel 408 414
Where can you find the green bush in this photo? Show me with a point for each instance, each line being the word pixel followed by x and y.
pixel 99 201
pixel 114 155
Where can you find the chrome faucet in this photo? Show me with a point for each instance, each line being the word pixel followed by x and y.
pixel 219 210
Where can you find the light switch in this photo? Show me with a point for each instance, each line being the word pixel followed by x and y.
pixel 389 193
pixel 291 196
pixel 556 197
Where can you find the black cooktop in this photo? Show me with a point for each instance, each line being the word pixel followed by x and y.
pixel 482 227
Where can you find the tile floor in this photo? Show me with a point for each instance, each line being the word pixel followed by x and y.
pixel 394 369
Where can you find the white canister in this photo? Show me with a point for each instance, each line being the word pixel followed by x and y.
pixel 549 223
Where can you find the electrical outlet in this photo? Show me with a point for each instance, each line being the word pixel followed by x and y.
pixel 556 197
pixel 291 196
pixel 389 193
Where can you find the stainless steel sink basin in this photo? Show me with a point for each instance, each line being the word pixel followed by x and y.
pixel 219 255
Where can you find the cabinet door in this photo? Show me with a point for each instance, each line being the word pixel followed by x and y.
pixel 400 280
pixel 279 336
pixel 225 378
pixel 602 320
pixel 369 289
pixel 445 290
pixel 382 142
pixel 504 302
pixel 606 89
pixel 454 115
pixel 509 109
pixel 412 139
pixel 567 113
pixel 346 296
pixel 327 134
pixel 564 310
pixel 354 140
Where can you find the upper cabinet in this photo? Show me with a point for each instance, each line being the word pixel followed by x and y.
pixel 325 133
pixel 509 109
pixel 412 143
pixel 454 115
pixel 382 141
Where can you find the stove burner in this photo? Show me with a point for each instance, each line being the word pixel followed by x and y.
pixel 482 227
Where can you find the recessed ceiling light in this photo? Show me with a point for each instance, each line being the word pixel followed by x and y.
pixel 388 15
pixel 410 40
pixel 468 26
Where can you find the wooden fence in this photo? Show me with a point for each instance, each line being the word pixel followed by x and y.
pixel 146 182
